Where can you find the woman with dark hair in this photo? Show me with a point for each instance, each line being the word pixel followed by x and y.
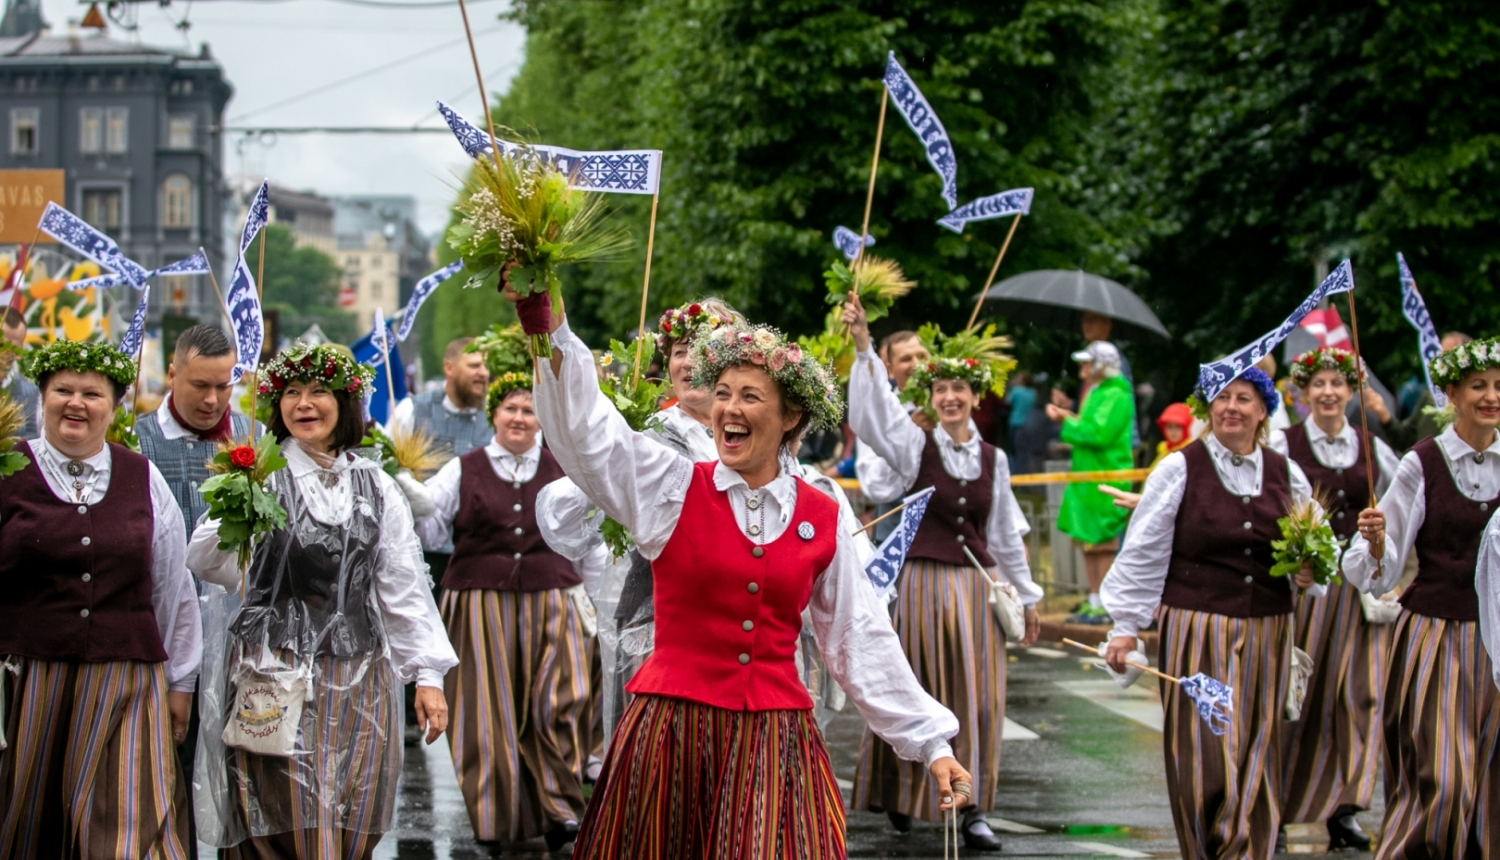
pixel 301 746
pixel 719 752
pixel 1199 547
pixel 99 630
pixel 1442 775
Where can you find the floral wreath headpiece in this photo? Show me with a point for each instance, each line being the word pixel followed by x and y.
pixel 1198 401
pixel 502 386
pixel 1476 356
pixel 685 322
pixel 973 372
pixel 324 363
pixel 974 356
pixel 80 356
pixel 810 385
pixel 1306 366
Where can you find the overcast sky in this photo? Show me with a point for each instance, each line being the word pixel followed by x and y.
pixel 274 50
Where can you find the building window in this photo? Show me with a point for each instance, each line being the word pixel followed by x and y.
pixel 90 130
pixel 177 201
pixel 23 130
pixel 181 129
pixel 101 207
pixel 116 129
pixel 182 88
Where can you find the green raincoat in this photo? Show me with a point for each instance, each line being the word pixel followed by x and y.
pixel 1100 437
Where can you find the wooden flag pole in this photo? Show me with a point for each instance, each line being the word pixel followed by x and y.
pixel 390 381
pixel 974 316
pixel 635 373
pixel 260 292
pixel 1147 669
pixel 871 524
pixel 484 97
pixel 23 260
pixel 1364 420
pixel 864 229
pixel 214 282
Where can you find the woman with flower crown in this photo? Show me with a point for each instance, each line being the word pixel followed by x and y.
pixel 1442 779
pixel 100 637
pixel 718 752
pixel 519 694
pixel 337 614
pixel 1331 755
pixel 948 632
pixel 1197 558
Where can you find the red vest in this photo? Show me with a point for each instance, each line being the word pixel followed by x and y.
pixel 1221 549
pixel 496 542
pixel 77 578
pixel 727 619
pixel 1348 490
pixel 958 514
pixel 1447 544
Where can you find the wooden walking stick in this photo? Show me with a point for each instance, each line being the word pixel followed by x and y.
pixel 993 269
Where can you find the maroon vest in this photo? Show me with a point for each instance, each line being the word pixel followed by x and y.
pixel 1447 544
pixel 1348 490
pixel 1221 548
pixel 958 514
pixel 77 578
pixel 496 542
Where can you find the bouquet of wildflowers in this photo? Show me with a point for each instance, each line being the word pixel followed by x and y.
pixel 237 495
pixel 414 450
pixel 1306 538
pixel 12 419
pixel 877 281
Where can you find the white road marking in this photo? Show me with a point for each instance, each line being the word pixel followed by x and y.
pixel 1014 731
pixel 1106 848
pixel 845 784
pixel 1140 703
pixel 1045 652
pixel 1004 826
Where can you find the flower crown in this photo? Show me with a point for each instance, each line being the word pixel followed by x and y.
pixel 82 357
pixel 1476 356
pixel 1198 401
pixel 973 372
pixel 503 386
pixel 684 322
pixel 329 365
pixel 809 384
pixel 1306 366
pixel 973 355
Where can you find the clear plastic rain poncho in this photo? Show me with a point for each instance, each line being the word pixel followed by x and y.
pixel 310 628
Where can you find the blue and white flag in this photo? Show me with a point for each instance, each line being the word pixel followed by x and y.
pixel 196 264
pixel 367 351
pixel 243 299
pixel 925 123
pixel 620 171
pixel 419 294
pixel 1214 698
pixel 1415 311
pixel 1016 201
pixel 76 233
pixel 130 344
pixel 378 334
pixel 885 565
pixel 1215 376
pixel 847 241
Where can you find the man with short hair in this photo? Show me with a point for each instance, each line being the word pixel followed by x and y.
pixel 902 352
pixel 22 391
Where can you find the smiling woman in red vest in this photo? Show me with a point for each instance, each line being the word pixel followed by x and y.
pixel 719 752
pixel 99 633
pixel 1442 739
pixel 1199 546
pixel 523 679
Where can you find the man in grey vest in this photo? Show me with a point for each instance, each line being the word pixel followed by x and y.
pixel 21 390
pixel 182 435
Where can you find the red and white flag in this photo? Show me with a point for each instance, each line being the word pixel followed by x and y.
pixel 1325 325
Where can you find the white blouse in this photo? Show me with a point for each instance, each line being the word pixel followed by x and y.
pixel 1341 451
pixel 886 429
pixel 698 437
pixel 174 598
pixel 1405 509
pixel 1487 583
pixel 1132 587
pixel 643 484
pixel 418 642
pixel 436 529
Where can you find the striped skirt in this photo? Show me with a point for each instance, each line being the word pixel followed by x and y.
pixel 90 770
pixel 1442 782
pixel 1331 756
pixel 957 651
pixel 688 781
pixel 516 704
pixel 1223 788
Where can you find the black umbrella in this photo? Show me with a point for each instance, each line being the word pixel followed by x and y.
pixel 1057 299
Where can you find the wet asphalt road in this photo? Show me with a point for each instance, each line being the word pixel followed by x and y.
pixel 1081 764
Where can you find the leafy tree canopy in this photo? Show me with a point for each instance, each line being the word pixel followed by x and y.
pixel 303 284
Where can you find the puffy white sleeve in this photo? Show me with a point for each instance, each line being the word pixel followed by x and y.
pixel 1302 491
pixel 436 529
pixel 207 561
pixel 568 521
pixel 1389 465
pixel 418 642
pixel 883 426
pixel 1132 587
pixel 1005 544
pixel 877 480
pixel 1487 584
pixel 864 656
pixel 639 482
pixel 1405 507
pixel 174 598
pixel 1277 442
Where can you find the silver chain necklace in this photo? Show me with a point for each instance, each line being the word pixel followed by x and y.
pixel 754 508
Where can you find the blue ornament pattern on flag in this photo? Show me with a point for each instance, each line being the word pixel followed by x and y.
pixel 378 334
pixel 243 300
pixel 75 233
pixel 1016 201
pixel 847 241
pixel 130 344
pixel 196 264
pixel 924 122
pixel 625 171
pixel 419 294
pixel 1214 698
pixel 885 565
pixel 1415 311
pixel 1216 375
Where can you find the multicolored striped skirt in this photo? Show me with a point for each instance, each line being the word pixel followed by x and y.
pixel 90 770
pixel 688 781
pixel 957 650
pixel 1442 779
pixel 1224 788
pixel 1331 756
pixel 516 704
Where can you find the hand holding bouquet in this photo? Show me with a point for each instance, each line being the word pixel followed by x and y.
pixel 1306 539
pixel 237 495
pixel 877 281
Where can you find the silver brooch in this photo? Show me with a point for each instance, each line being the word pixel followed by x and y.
pixel 805 531
pixel 1237 460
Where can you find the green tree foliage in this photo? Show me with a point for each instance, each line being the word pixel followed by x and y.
pixel 303 284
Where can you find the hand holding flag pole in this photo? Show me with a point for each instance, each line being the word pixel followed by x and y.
pixel 1214 698
pixel 1364 419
